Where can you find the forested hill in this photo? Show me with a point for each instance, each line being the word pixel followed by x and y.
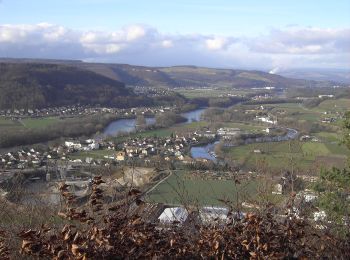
pixel 42 83
pixel 32 85
pixel 192 76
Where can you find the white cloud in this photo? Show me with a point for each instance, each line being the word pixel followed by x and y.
pixel 297 40
pixel 167 44
pixel 134 32
pixel 216 43
pixel 140 44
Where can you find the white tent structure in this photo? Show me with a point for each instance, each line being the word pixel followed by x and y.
pixel 211 214
pixel 170 215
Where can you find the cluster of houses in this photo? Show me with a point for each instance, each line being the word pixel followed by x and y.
pixel 262 97
pixel 170 148
pixel 305 138
pixel 174 147
pixel 87 145
pixel 205 133
pixel 23 159
pixel 151 91
pixel 78 110
pixel 228 133
pixel 63 111
pixel 30 158
pixel 328 120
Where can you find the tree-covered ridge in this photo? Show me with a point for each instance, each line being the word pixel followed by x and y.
pixel 192 76
pixel 33 85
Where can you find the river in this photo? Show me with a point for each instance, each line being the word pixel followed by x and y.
pixel 129 125
pixel 207 151
pixel 204 151
pixel 124 126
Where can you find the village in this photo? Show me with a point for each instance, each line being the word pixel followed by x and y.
pixel 80 110
pixel 147 162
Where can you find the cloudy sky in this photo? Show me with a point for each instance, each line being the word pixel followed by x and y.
pixel 253 34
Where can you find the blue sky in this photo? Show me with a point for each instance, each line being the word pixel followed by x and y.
pixel 213 31
pixel 180 16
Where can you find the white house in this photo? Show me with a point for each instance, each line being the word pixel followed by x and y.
pixel 267 120
pixel 94 146
pixel 270 130
pixel 70 144
pixel 120 156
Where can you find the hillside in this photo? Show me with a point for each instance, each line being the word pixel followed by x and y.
pixel 337 75
pixel 31 85
pixel 26 83
pixel 191 76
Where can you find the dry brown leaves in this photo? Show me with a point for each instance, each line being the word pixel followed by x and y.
pixel 116 235
pixel 4 250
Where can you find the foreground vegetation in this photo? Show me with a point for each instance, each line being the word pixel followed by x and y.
pixel 118 231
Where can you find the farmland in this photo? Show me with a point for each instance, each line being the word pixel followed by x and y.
pixel 95 154
pixel 38 123
pixel 281 156
pixel 179 190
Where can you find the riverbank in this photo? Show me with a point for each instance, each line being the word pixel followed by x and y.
pixel 127 126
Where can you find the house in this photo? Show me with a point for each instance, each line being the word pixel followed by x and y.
pixel 169 215
pixel 277 189
pixel 305 138
pixel 94 146
pixel 271 130
pixel 267 119
pixel 323 96
pixel 328 120
pixel 226 132
pixel 70 144
pixel 320 215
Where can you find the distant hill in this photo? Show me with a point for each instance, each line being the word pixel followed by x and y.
pixel 30 85
pixel 336 75
pixel 192 76
pixel 189 76
pixel 38 83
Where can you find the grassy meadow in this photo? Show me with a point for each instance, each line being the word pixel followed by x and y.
pixel 196 191
pixel 283 155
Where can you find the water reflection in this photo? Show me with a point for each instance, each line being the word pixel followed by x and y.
pixel 129 125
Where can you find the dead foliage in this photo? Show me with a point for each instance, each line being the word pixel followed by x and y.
pixel 102 231
pixel 4 250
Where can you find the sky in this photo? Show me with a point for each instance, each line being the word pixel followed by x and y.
pixel 254 34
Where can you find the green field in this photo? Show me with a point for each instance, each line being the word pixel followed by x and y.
pixel 329 137
pixel 95 154
pixel 245 126
pixel 282 155
pixel 297 111
pixel 314 116
pixel 30 123
pixel 340 105
pixel 9 124
pixel 212 92
pixel 39 122
pixel 179 190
